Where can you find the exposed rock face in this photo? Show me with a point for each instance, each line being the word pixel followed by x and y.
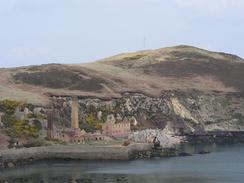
pixel 111 118
pixel 178 112
pixel 174 113
pixel 146 136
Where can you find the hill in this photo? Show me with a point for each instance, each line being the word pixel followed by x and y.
pixel 149 72
pixel 182 90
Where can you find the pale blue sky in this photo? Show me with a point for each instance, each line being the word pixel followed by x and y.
pixel 77 31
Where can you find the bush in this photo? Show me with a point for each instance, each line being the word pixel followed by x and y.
pixel 22 129
pixel 92 123
pixel 8 107
pixel 17 128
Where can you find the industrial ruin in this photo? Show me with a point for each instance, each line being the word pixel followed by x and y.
pixel 75 135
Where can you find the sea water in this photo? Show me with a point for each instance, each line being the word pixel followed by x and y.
pixel 225 164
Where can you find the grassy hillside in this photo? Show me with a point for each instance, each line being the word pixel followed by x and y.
pixel 149 72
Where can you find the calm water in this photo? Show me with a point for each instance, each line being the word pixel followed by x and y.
pixel 224 164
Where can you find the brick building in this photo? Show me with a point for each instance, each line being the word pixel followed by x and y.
pixel 78 136
pixel 121 129
pixel 75 135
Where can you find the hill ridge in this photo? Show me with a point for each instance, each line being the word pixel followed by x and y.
pixel 150 72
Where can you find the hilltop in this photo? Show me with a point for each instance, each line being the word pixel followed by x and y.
pixel 149 72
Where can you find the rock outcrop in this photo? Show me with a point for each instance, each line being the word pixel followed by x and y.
pixel 191 112
pixel 166 139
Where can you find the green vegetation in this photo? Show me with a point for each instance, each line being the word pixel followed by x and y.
pixel 22 129
pixel 36 116
pixel 17 128
pixel 8 107
pixel 90 119
pixel 92 123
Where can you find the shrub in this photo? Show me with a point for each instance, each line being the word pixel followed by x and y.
pixel 9 106
pixel 22 129
pixel 92 122
pixel 90 119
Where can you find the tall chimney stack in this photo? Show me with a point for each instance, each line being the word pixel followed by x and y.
pixel 50 119
pixel 74 113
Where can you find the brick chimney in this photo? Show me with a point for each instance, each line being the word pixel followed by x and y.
pixel 74 113
pixel 50 118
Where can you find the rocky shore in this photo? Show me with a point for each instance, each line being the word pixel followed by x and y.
pixel 218 137
pixel 16 157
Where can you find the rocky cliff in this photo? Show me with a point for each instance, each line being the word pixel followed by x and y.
pixel 191 112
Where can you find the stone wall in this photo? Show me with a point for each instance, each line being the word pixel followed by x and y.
pixel 15 157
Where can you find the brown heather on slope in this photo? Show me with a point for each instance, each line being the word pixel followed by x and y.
pixel 149 72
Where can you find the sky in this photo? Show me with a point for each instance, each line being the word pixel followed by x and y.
pixel 34 32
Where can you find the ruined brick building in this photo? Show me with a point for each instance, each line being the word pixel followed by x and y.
pixel 75 135
pixel 113 129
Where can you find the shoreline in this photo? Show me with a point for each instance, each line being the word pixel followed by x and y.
pixel 16 157
pixel 11 158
